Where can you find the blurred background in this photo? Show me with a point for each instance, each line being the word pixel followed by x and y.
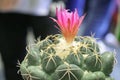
pixel 22 21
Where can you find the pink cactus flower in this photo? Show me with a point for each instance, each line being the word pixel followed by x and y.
pixel 68 23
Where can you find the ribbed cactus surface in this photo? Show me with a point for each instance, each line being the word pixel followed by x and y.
pixel 54 59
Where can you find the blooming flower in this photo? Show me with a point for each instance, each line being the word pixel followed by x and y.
pixel 68 23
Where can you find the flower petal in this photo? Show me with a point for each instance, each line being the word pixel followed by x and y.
pixel 68 23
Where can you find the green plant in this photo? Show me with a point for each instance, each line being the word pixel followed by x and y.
pixel 53 59
pixel 67 57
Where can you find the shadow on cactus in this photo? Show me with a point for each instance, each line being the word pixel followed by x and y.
pixel 66 56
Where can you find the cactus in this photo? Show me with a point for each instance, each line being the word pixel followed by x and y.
pixel 53 59
pixel 67 57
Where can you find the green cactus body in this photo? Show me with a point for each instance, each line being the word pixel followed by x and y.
pixel 69 72
pixel 109 78
pixel 54 59
pixel 108 61
pixel 98 75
